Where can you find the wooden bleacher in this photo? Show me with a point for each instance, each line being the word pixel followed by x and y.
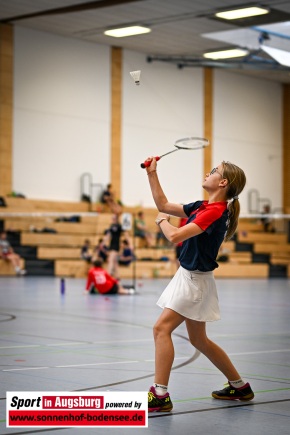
pixel 261 237
pixel 144 269
pixel 23 224
pixel 274 244
pixel 71 268
pixel 250 225
pixel 56 253
pixel 280 258
pixel 229 270
pixel 57 240
pixel 272 248
pixel 7 269
pixel 15 204
pixel 63 247
pixel 240 257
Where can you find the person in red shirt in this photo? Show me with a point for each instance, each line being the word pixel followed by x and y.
pixel 99 281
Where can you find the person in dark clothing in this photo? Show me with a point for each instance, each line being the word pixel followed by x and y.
pixel 108 198
pixel 114 233
pixel 127 255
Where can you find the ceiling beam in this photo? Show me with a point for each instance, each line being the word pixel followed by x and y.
pixel 70 9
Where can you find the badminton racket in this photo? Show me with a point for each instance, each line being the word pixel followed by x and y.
pixel 188 143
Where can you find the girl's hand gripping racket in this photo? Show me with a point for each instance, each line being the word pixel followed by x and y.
pixel 188 143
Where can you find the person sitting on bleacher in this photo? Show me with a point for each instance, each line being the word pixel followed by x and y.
pixel 101 251
pixel 86 252
pixel 267 221
pixel 140 230
pixel 108 198
pixel 127 255
pixel 7 253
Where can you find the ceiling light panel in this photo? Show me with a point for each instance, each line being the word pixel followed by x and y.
pixel 226 54
pixel 242 13
pixel 127 31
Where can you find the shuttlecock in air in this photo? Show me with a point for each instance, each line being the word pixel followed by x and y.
pixel 136 76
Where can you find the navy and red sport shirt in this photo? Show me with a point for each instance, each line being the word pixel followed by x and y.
pixel 200 252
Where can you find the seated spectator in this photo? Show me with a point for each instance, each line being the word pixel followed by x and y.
pixel 161 241
pixel 101 251
pixel 108 198
pixel 267 221
pixel 223 255
pixel 7 253
pixel 86 251
pixel 140 230
pixel 127 254
pixel 99 281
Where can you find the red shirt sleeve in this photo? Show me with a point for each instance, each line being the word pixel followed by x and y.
pixel 206 217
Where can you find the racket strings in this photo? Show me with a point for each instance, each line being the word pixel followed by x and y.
pixel 188 143
pixel 191 143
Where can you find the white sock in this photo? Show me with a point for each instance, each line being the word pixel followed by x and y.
pixel 160 389
pixel 237 384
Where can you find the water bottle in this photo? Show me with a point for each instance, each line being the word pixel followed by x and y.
pixel 62 286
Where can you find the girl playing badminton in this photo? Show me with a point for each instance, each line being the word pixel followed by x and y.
pixel 191 296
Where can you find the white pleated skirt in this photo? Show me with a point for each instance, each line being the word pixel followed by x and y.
pixel 193 294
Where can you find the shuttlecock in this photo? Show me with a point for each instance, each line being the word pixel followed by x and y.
pixel 136 76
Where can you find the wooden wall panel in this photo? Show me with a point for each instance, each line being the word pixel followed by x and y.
pixel 116 118
pixel 6 107
pixel 286 148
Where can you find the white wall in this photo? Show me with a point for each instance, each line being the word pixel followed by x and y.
pixel 62 123
pixel 248 132
pixel 165 107
pixel 61 114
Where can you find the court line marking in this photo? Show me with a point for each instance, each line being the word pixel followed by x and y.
pixel 83 365
pixel 172 414
pixel 82 343
pixel 68 366
pixel 259 352
pixel 220 407
pixel 133 361
pixel 187 362
pixel 9 317
pixel 177 413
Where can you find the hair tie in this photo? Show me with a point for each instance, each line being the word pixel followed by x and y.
pixel 235 197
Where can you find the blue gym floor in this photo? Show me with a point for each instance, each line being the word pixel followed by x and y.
pixel 77 342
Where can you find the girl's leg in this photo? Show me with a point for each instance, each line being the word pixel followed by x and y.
pixel 198 338
pixel 164 350
pixel 116 265
pixel 149 239
pixel 113 264
pixel 15 260
pixel 110 262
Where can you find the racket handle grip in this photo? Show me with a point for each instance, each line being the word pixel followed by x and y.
pixel 148 162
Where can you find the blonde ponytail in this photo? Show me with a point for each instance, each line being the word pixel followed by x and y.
pixel 236 183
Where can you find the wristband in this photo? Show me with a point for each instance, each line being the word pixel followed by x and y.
pixel 158 221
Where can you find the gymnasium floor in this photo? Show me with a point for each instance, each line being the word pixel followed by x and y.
pixel 76 342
